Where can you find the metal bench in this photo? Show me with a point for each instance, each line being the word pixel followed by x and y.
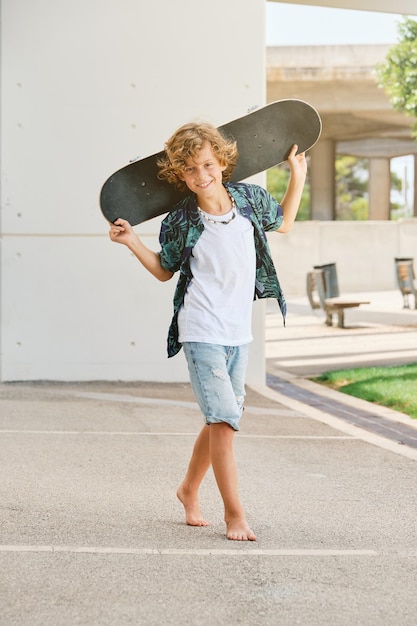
pixel 336 305
pixel 406 280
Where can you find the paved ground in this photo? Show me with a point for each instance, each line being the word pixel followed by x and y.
pixel 91 532
pixel 381 333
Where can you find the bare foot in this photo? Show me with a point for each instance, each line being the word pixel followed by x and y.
pixel 238 530
pixel 191 505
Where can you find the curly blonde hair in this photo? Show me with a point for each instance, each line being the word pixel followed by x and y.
pixel 187 142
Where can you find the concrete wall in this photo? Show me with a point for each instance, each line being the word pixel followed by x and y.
pixel 87 86
pixel 364 253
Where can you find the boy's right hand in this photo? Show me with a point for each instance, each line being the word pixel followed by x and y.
pixel 122 232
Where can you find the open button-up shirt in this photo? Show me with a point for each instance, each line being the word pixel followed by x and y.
pixel 182 227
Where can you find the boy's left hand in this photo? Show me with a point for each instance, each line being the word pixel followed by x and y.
pixel 297 162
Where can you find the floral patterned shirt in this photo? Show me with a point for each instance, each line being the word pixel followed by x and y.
pixel 182 227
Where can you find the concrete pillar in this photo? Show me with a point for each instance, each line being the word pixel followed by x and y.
pixel 322 180
pixel 379 189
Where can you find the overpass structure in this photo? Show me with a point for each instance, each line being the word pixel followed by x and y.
pixel 358 118
pixel 403 7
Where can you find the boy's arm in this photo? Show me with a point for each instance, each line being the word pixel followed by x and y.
pixel 122 232
pixel 292 197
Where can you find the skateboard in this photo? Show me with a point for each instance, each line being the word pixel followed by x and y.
pixel 264 138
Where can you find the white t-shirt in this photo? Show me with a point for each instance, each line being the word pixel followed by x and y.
pixel 218 303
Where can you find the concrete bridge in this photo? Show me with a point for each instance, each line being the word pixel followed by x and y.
pixel 358 118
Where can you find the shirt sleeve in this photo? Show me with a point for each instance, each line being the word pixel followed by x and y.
pixel 169 239
pixel 271 211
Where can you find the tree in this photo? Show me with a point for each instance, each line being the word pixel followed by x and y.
pixel 276 183
pixel 398 76
pixel 351 188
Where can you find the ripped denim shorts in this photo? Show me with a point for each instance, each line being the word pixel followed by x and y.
pixel 217 375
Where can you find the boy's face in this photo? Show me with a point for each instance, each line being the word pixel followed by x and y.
pixel 203 174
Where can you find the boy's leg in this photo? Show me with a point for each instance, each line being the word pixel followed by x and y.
pixel 187 492
pixel 217 377
pixel 225 471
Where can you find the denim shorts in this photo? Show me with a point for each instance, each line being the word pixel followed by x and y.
pixel 217 375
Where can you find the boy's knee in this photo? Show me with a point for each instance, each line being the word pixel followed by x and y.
pixel 223 426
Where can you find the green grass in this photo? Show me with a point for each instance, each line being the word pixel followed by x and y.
pixel 393 387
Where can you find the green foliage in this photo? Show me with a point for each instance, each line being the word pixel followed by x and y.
pixel 351 188
pixel 276 184
pixel 398 76
pixel 396 182
pixel 393 387
pixel 398 211
pixel 351 183
pixel 352 175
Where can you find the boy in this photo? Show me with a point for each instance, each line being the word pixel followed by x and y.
pixel 216 239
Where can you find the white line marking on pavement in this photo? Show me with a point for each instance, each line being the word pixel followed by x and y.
pixel 96 432
pixel 184 552
pixel 112 397
pixel 342 426
pixel 160 434
pixel 344 360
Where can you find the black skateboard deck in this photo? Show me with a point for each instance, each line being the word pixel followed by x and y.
pixel 264 139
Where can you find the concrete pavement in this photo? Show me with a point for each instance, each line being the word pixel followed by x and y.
pixel 91 531
pixel 380 333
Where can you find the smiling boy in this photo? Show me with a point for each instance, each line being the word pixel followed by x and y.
pixel 216 239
